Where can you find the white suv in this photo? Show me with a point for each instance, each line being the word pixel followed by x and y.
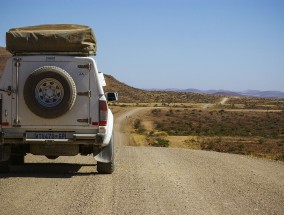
pixel 53 104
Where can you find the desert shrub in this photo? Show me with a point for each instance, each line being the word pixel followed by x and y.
pixel 160 126
pixel 137 123
pixel 160 142
pixel 274 134
pixel 260 141
pixel 141 130
pixel 232 149
pixel 158 138
pixel 170 113
pixel 138 126
pixel 280 157
pixel 161 134
pixel 241 147
pixel 225 123
pixel 155 111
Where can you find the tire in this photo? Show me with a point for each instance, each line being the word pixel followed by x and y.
pixel 5 166
pixel 105 168
pixel 17 159
pixel 49 92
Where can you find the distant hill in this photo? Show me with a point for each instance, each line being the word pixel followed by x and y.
pixel 252 93
pixel 4 55
pixel 134 95
pixel 263 94
pixel 249 93
pixel 4 52
pixel 227 93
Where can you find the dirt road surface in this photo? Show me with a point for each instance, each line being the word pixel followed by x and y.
pixel 146 181
pixel 224 100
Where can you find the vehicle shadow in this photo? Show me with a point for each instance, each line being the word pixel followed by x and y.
pixel 49 170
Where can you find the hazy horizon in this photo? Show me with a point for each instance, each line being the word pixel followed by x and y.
pixel 218 44
pixel 217 89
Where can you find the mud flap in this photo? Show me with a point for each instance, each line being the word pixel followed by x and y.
pixel 5 153
pixel 106 154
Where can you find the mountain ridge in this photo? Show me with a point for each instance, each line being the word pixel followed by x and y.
pixel 130 94
pixel 245 93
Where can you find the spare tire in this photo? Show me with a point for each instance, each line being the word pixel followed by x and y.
pixel 49 92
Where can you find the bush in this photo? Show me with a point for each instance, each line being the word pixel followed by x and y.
pixel 160 126
pixel 141 130
pixel 156 111
pixel 138 126
pixel 280 158
pixel 261 141
pixel 137 123
pixel 160 142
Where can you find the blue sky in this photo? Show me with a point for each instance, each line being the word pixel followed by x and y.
pixel 204 44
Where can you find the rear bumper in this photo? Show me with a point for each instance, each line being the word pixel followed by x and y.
pixel 21 138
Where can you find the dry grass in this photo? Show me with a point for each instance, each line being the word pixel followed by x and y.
pixel 138 140
pixel 191 142
pixel 219 122
pixel 254 103
pixel 251 126
pixel 258 133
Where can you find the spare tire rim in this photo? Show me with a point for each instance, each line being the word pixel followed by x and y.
pixel 49 92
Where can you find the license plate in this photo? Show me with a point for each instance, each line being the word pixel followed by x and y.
pixel 49 135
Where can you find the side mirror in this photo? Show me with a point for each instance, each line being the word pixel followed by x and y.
pixel 111 96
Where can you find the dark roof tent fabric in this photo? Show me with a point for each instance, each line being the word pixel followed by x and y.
pixel 52 39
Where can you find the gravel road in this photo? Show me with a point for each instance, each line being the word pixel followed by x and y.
pixel 146 181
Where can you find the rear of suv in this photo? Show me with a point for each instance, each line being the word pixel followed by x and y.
pixel 52 102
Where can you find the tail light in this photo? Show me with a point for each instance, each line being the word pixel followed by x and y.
pixel 103 113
